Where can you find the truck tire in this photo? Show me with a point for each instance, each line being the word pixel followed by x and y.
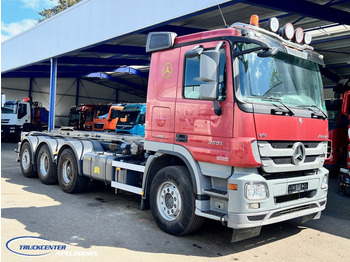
pixel 25 156
pixel 47 169
pixel 173 201
pixel 68 178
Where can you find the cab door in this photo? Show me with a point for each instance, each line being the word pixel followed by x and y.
pixel 205 133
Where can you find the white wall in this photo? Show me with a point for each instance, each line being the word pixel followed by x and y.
pixel 89 93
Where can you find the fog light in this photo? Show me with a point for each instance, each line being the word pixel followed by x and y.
pixel 254 206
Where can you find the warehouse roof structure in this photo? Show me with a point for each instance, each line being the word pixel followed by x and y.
pixel 104 36
pixel 104 41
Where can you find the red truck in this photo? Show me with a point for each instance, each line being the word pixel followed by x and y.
pixel 77 115
pixel 344 175
pixel 236 131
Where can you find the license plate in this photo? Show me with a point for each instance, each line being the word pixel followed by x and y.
pixel 296 188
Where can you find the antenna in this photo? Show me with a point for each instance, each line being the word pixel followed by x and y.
pixel 222 15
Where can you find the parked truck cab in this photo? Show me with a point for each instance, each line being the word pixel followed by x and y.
pixel 18 116
pixel 132 120
pixel 77 115
pixel 106 117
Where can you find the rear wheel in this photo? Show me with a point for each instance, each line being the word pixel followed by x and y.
pixel 69 179
pixel 26 159
pixel 173 202
pixel 47 169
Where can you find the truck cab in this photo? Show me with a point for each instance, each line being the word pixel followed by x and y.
pixel 132 120
pixel 14 115
pixel 106 117
pixel 344 175
pixel 77 115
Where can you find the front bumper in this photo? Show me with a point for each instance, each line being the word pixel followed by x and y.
pixel 280 205
pixel 7 130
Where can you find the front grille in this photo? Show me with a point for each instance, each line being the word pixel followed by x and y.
pixel 5 121
pixel 279 156
pixel 296 196
pixel 292 210
pixel 98 126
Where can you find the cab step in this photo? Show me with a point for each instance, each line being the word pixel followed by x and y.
pixel 211 214
pixel 216 193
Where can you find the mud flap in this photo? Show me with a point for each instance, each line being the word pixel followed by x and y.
pixel 244 233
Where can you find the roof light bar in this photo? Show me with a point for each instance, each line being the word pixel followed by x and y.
pixel 273 24
pixel 307 38
pixel 298 35
pixel 287 32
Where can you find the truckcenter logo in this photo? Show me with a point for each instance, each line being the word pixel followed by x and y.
pixel 167 70
pixel 298 153
pixel 32 246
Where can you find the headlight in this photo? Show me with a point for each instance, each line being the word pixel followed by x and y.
pixel 324 184
pixel 256 191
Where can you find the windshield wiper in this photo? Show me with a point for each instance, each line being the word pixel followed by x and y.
pixel 323 115
pixel 279 100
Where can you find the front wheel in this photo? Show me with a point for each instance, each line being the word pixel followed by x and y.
pixel 173 202
pixel 68 177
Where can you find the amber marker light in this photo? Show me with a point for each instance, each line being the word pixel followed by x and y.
pixel 254 20
pixel 233 187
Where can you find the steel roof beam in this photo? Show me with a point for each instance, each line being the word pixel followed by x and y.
pixel 132 71
pixel 330 75
pixel 305 8
pixel 102 75
pixel 117 49
pixel 102 61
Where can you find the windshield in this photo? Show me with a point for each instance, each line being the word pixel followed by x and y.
pixel 9 108
pixel 89 116
pixel 294 81
pixel 74 116
pixel 129 117
pixel 102 111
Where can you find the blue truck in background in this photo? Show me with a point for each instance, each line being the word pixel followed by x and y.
pixel 135 120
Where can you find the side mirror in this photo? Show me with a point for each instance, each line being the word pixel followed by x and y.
pixel 345 109
pixel 209 73
pixel 194 52
pixel 269 52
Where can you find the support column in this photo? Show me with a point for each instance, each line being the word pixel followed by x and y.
pixel 30 87
pixel 77 92
pixel 53 80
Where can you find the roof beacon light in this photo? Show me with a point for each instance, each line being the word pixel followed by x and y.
pixel 307 38
pixel 287 31
pixel 273 24
pixel 254 20
pixel 299 35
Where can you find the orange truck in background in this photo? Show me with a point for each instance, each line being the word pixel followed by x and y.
pixel 106 117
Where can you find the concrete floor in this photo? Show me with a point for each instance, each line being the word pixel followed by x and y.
pixel 102 226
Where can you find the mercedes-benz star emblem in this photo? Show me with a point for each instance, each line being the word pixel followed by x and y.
pixel 298 153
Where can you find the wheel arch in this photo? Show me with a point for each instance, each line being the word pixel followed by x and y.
pixel 162 159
